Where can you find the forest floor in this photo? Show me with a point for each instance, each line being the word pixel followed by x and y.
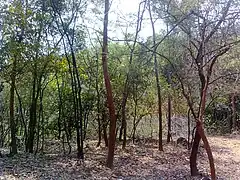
pixel 141 161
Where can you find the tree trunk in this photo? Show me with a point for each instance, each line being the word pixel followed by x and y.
pixel 124 133
pixel 134 121
pixel 189 129
pixel 199 134
pixel 193 156
pixel 32 126
pixel 33 115
pixel 43 131
pixel 160 147
pixel 23 122
pixel 59 108
pixel 123 129
pixel 12 120
pixel 40 115
pixel 124 122
pixel 112 128
pixel 77 101
pixel 234 112
pixel 74 120
pixel 169 118
pixel 98 111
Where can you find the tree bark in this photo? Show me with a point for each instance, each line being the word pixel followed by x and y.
pixel 33 114
pixel 160 145
pixel 59 108
pixel 123 129
pixel 193 156
pixel 98 108
pixel 199 134
pixel 12 120
pixel 234 112
pixel 124 122
pixel 23 122
pixel 189 129
pixel 169 118
pixel 134 120
pixel 112 128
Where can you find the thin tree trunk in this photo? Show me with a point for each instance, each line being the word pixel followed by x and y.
pixel 112 128
pixel 32 126
pixel 68 129
pixel 234 112
pixel 59 108
pixel 169 118
pixel 124 122
pixel 80 111
pixel 22 116
pixel 43 132
pixel 33 116
pixel 36 87
pixel 39 118
pixel 160 145
pixel 12 120
pixel 123 130
pixel 134 121
pixel 189 129
pixel 76 93
pixel 98 108
pixel 64 122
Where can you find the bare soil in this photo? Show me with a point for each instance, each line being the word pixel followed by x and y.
pixel 141 161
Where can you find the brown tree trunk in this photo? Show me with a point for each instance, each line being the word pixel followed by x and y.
pixel 123 129
pixel 169 118
pixel 199 134
pixel 134 120
pixel 124 133
pixel 234 113
pixel 124 122
pixel 33 114
pixel 193 156
pixel 189 129
pixel 160 147
pixel 98 112
pixel 112 128
pixel 12 120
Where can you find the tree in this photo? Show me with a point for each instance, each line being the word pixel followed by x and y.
pixel 157 80
pixel 14 47
pixel 112 127
pixel 207 40
pixel 126 84
pixel 68 29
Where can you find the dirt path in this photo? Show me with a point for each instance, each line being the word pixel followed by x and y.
pixel 137 162
pixel 226 151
